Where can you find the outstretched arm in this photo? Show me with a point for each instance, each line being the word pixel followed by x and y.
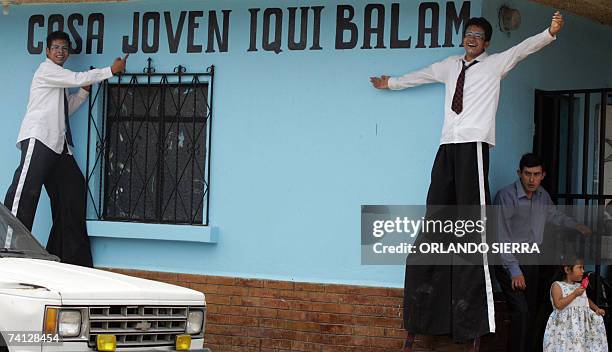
pixel 511 57
pixel 59 77
pixel 437 72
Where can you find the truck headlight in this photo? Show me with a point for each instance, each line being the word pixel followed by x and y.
pixel 194 322
pixel 69 323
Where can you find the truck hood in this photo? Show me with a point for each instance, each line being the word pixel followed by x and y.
pixel 76 284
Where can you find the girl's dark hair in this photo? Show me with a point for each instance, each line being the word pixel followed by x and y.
pixel 568 261
pixel 482 23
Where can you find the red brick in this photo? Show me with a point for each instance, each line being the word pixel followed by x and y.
pixel 305 346
pixel 227 330
pixel 369 331
pixel 220 280
pixel 390 343
pixel 398 333
pixel 243 321
pixel 217 319
pixel 205 288
pixel 292 315
pixel 303 326
pixel 306 286
pixel 262 312
pixel 332 308
pixel 191 278
pixel 273 323
pixel 217 299
pixel 369 310
pixel 262 292
pixel 357 290
pixel 232 290
pixel 163 276
pixel 249 282
pixel 395 292
pixel 281 285
pixel 231 310
pixel 273 343
pixel 274 303
pixel 336 329
pixel 324 297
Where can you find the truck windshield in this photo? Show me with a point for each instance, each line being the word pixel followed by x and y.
pixel 16 240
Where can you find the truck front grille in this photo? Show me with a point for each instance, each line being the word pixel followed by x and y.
pixel 138 325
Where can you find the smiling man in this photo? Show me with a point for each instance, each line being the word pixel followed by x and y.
pixel 46 159
pixel 457 301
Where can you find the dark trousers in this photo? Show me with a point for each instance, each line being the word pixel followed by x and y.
pixel 522 306
pixel 444 298
pixel 65 185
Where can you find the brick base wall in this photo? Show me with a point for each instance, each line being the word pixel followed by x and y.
pixel 257 315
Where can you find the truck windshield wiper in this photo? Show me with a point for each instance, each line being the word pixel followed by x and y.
pixel 11 251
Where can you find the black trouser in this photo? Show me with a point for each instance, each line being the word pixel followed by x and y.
pixel 522 306
pixel 65 185
pixel 444 298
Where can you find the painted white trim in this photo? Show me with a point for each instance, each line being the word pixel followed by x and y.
pixel 485 260
pixel 19 189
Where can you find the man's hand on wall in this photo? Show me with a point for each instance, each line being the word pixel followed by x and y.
pixel 119 64
pixel 381 82
pixel 556 24
pixel 585 230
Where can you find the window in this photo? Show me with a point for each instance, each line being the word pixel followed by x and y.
pixel 152 138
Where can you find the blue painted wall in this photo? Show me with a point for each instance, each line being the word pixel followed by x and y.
pixel 300 139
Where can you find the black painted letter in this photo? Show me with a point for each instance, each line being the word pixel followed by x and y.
pixel 379 30
pixel 192 26
pixel 78 41
pixel 455 21
pixel 132 47
pixel 99 36
pixel 174 35
pixel 38 47
pixel 214 32
pixel 275 44
pixel 345 24
pixel 435 24
pixel 397 43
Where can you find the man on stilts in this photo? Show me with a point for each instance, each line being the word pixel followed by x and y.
pixel 45 141
pixel 442 299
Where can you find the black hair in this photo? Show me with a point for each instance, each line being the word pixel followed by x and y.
pixel 482 23
pixel 57 35
pixel 568 260
pixel 530 160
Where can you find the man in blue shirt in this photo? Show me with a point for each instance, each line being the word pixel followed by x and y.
pixel 524 209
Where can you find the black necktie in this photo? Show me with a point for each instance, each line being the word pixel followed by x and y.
pixel 68 133
pixel 457 105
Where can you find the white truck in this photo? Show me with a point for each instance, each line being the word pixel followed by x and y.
pixel 46 305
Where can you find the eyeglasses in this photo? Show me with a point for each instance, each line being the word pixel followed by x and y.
pixel 59 48
pixel 475 35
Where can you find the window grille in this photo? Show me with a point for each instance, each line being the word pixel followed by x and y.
pixel 149 147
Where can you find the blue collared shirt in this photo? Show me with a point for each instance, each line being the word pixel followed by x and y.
pixel 522 220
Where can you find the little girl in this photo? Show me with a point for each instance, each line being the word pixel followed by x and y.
pixel 576 324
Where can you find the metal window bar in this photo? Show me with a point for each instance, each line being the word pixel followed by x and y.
pixel 548 112
pixel 149 147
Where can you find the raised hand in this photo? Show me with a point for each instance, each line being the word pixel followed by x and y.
pixel 556 24
pixel 381 82
pixel 119 64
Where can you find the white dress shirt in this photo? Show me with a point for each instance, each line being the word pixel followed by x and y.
pixel 44 119
pixel 476 123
